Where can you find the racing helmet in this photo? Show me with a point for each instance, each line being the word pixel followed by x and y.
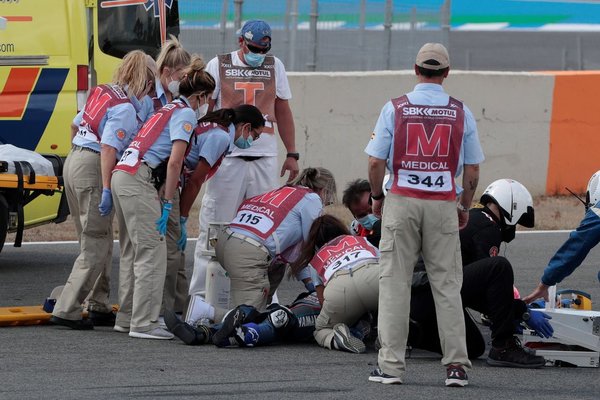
pixel 514 201
pixel 592 195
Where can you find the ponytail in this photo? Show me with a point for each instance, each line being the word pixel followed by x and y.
pixel 323 229
pixel 245 113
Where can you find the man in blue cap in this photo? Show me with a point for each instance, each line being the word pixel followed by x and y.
pixel 249 75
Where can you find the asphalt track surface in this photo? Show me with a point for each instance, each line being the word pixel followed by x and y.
pixel 46 362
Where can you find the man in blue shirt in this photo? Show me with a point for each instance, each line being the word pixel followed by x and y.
pixel 425 139
pixel 572 253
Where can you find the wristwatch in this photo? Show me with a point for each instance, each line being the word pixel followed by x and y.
pixel 461 207
pixel 380 196
pixel 295 156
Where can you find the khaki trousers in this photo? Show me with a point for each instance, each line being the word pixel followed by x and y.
pixel 176 284
pixel 83 187
pixel 349 294
pixel 234 181
pixel 143 251
pixel 248 269
pixel 411 227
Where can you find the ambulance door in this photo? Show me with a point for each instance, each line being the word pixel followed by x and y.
pixel 43 62
pixel 125 25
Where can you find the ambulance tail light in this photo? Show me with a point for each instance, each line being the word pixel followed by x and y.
pixel 82 85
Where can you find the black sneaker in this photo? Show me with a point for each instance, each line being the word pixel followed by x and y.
pixel 187 333
pixel 102 319
pixel 78 324
pixel 231 327
pixel 377 375
pixel 456 376
pixel 515 356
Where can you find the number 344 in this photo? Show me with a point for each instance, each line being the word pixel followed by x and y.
pixel 416 180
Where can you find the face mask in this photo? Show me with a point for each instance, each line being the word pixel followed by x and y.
pixel 368 221
pixel 253 59
pixel 173 87
pixel 201 110
pixel 243 143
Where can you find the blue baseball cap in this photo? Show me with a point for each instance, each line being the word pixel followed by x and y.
pixel 255 32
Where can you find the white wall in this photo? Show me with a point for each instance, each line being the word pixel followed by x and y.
pixel 335 114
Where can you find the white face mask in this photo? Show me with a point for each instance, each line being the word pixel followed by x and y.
pixel 173 87
pixel 201 110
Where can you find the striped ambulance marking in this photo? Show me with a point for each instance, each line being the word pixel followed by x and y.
pixel 13 97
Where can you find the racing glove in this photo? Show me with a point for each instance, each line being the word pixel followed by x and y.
pixel 106 203
pixel 538 321
pixel 161 223
pixel 183 238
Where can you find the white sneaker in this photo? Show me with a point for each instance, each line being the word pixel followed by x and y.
pixel 161 323
pixel 199 309
pixel 121 329
pixel 156 333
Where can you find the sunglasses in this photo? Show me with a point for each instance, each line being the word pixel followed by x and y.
pixel 258 50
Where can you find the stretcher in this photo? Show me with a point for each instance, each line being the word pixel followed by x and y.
pixel 576 338
pixel 36 315
pixel 19 186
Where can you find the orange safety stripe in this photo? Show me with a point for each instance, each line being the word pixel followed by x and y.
pixel 19 84
pixel 574 136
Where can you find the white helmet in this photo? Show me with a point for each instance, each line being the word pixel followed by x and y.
pixel 593 190
pixel 513 199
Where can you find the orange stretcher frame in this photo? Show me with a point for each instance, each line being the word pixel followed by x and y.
pixel 42 182
pixel 29 315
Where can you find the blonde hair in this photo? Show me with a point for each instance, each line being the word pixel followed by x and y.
pixel 172 55
pixel 134 72
pixel 196 79
pixel 318 179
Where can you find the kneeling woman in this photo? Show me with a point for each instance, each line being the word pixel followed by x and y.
pixel 345 271
pixel 263 237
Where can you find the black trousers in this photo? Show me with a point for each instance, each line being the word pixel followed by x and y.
pixel 487 288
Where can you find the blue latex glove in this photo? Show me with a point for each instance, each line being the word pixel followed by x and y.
pixel 183 238
pixel 161 223
pixel 106 203
pixel 310 286
pixel 538 321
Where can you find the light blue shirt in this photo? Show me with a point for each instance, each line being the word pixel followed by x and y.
pixel 287 234
pixel 210 146
pixel 180 127
pixel 382 143
pixel 118 126
pixel 160 92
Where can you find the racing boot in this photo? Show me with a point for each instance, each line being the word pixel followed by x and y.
pixel 192 336
pixel 513 355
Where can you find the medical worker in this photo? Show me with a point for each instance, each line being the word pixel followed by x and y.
pixel 249 75
pixel 171 62
pixel 142 214
pixel 215 134
pixel 345 271
pixel 263 237
pixel 100 133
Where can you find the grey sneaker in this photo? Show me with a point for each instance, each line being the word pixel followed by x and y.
pixel 343 340
pixel 381 377
pixel 156 333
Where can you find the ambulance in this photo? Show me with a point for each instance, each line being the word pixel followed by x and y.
pixel 51 53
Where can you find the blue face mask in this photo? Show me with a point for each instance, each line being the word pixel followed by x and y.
pixel 253 59
pixel 368 221
pixel 243 143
